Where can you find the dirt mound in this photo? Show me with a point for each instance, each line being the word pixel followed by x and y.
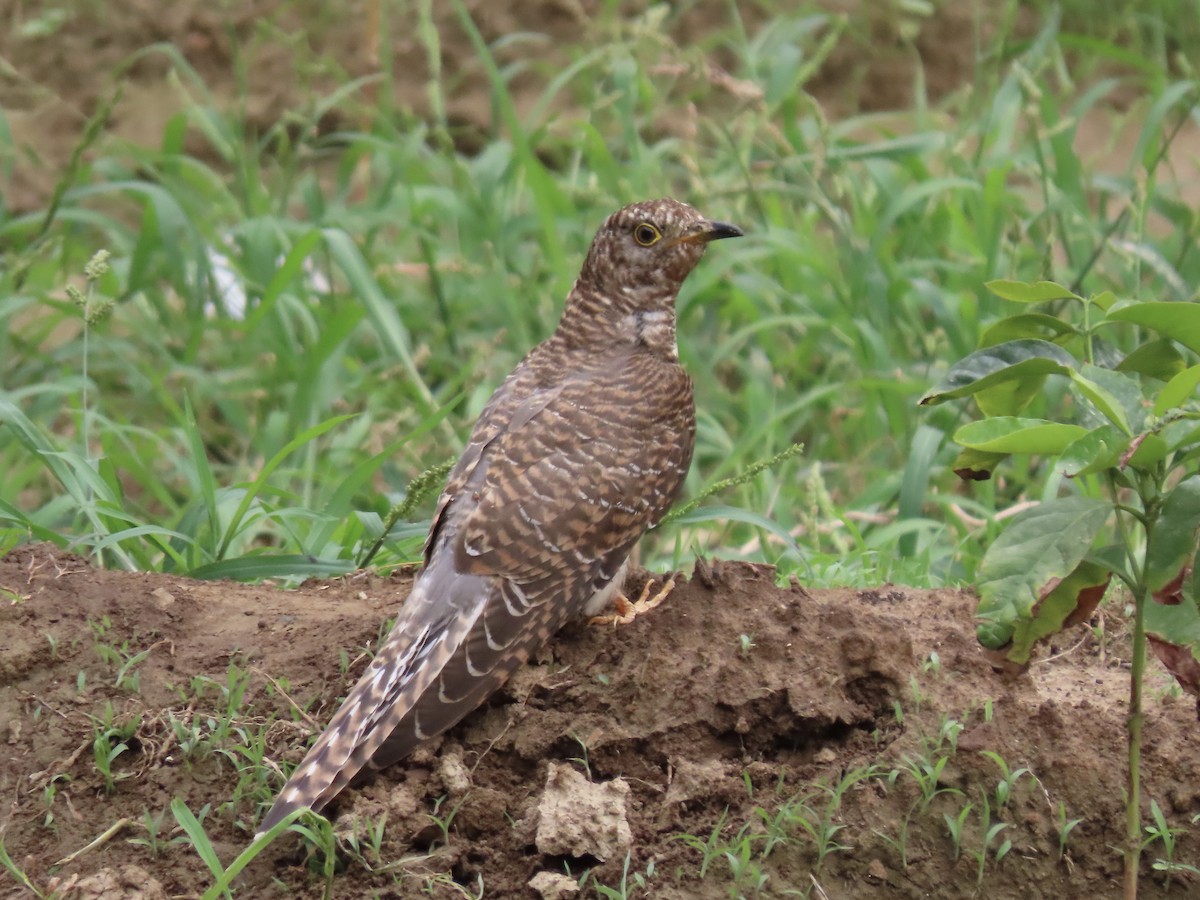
pixel 705 722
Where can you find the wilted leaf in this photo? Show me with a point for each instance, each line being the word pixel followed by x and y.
pixel 1039 553
pixel 1180 661
pixel 1070 603
pixel 975 465
pixel 1009 434
pixel 1014 360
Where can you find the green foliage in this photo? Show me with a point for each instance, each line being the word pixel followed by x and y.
pixel 300 323
pixel 1128 432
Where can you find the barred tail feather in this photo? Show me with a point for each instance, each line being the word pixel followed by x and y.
pixel 433 623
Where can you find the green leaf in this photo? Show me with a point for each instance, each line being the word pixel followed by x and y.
pixel 1159 359
pixel 1176 534
pixel 1178 391
pixel 389 327
pixel 1009 397
pixel 1008 434
pixel 1099 449
pixel 1040 549
pixel 734 514
pixel 237 520
pixel 1027 325
pixel 1011 361
pixel 196 834
pixel 1178 321
pixel 1118 397
pixel 1024 292
pixel 1150 450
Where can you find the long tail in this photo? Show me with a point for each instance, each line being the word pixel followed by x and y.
pixel 431 630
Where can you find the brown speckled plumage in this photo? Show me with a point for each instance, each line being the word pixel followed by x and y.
pixel 581 449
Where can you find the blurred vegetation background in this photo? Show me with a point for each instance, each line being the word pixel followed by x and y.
pixel 333 229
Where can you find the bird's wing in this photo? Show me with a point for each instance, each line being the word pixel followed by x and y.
pixel 541 512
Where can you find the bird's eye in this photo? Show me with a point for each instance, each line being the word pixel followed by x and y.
pixel 646 234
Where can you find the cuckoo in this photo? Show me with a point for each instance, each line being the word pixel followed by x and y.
pixel 582 448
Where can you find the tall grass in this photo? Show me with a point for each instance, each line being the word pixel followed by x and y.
pixel 390 282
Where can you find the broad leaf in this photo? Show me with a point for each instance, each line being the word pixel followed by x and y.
pixel 1159 359
pixel 1176 535
pixel 1008 398
pixel 1070 603
pixel 1022 292
pixel 1015 360
pixel 1178 391
pixel 1099 449
pixel 1178 321
pixel 1181 659
pixel 1117 396
pixel 1026 325
pixel 1009 434
pixel 1040 550
pixel 1148 451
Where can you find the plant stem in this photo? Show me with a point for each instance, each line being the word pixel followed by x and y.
pixel 1152 504
pixel 1133 811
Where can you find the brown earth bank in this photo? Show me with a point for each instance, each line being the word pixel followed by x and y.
pixel 737 708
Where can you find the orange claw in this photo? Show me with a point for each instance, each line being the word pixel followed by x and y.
pixel 628 610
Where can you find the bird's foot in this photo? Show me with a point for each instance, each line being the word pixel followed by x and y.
pixel 628 610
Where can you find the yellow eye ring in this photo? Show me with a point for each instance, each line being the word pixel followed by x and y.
pixel 646 234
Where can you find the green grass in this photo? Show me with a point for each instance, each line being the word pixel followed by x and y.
pixel 392 282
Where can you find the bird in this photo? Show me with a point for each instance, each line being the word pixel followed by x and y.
pixel 582 448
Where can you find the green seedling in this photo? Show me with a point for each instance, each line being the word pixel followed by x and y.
pixel 1065 827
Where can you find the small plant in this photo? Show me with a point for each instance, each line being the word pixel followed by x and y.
pixel 1008 778
pixel 16 872
pixel 373 829
pixel 1065 827
pixel 990 831
pixel 49 793
pixel 629 881
pixel 1160 832
pixel 109 742
pixel 710 847
pixel 1129 439
pixel 444 822
pixel 744 865
pixel 745 645
pixel 926 772
pixel 954 827
pixel 153 840
pixel 582 759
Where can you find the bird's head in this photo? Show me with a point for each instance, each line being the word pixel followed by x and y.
pixel 643 252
